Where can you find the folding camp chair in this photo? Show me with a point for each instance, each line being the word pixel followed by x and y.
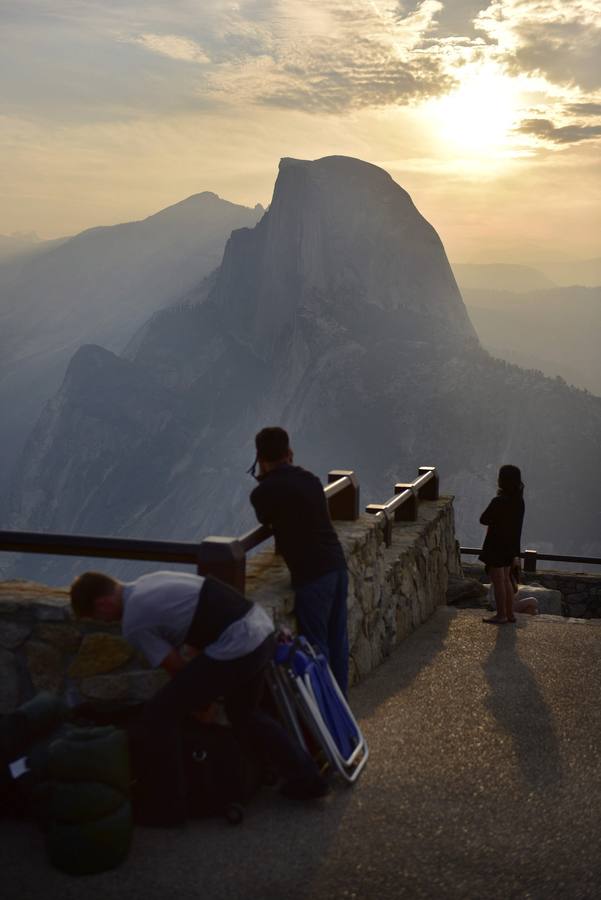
pixel 306 693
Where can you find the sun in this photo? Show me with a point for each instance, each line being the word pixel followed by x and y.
pixel 478 116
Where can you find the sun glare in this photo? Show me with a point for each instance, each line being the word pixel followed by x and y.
pixel 478 117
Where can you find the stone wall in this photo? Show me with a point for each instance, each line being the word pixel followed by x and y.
pixel 43 648
pixel 580 592
pixel 391 591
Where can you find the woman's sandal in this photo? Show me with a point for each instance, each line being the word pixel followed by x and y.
pixel 496 620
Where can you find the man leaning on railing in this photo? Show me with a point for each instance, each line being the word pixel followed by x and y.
pixel 291 501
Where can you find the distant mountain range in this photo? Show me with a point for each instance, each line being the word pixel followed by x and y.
pixel 586 272
pixel 12 245
pixel 557 330
pixel 499 277
pixel 99 286
pixel 338 316
pixel 521 278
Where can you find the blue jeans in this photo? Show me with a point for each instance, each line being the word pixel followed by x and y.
pixel 321 613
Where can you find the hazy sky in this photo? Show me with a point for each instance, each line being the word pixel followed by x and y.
pixel 488 113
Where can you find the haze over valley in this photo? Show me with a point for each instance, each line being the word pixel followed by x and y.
pixel 98 286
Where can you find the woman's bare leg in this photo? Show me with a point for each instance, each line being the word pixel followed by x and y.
pixel 498 578
pixel 510 595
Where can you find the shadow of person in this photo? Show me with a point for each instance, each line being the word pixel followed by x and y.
pixel 518 706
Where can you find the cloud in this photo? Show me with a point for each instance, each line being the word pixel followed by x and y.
pixel 565 134
pixel 104 58
pixel 326 57
pixel 172 45
pixel 559 39
pixel 584 109
pixel 97 130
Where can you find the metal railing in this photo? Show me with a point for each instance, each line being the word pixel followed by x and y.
pixel 531 557
pixel 223 557
pixel 106 547
pixel 403 507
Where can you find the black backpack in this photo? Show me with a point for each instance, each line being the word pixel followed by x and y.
pixel 221 778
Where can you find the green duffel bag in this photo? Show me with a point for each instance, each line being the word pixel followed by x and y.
pixel 43 714
pixel 83 801
pixel 31 722
pixel 89 827
pixel 91 754
pixel 85 848
pixel 22 734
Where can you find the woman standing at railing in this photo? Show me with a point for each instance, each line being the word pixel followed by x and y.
pixel 504 516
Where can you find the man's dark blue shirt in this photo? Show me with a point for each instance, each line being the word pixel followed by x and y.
pixel 291 500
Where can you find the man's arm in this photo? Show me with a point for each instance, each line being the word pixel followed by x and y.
pixel 153 646
pixel 261 506
pixel 176 659
pixel 173 663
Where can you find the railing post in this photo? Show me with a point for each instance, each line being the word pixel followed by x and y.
pixel 223 558
pixel 344 507
pixel 374 509
pixel 430 490
pixel 407 511
pixel 387 528
pixel 530 560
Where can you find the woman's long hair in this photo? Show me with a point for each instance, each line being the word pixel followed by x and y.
pixel 510 481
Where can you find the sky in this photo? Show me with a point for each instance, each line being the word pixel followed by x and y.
pixel 487 111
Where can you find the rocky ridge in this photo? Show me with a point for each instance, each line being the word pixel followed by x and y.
pixel 99 286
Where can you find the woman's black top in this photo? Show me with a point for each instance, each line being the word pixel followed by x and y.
pixel 504 516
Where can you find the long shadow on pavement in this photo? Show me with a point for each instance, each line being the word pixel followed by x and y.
pixel 517 704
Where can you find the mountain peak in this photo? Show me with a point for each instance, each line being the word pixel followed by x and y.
pixel 205 203
pixel 342 172
pixel 340 238
pixel 335 162
pixel 88 362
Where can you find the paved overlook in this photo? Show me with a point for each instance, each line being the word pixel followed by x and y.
pixel 484 782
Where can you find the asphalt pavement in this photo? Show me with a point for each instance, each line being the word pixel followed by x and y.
pixel 484 781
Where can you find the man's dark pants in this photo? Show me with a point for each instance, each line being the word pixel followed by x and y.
pixel 321 614
pixel 157 741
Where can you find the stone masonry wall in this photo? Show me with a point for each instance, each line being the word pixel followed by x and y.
pixel 43 648
pixel 391 591
pixel 580 592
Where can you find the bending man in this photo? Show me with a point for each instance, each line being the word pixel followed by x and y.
pixel 231 643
